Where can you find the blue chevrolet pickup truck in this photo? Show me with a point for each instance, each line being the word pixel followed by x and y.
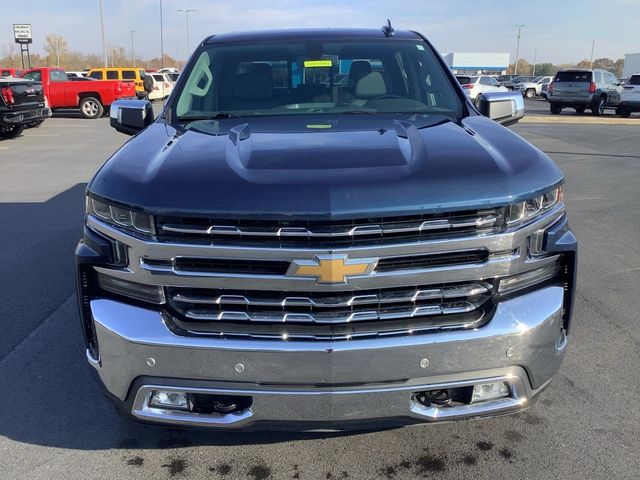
pixel 321 231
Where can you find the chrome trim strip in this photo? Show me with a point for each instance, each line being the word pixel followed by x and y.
pixel 365 229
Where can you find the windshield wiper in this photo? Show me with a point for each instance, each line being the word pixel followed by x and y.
pixel 357 112
pixel 217 116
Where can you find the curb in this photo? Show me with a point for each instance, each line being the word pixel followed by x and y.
pixel 576 119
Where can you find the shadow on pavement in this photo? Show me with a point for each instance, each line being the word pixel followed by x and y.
pixel 48 396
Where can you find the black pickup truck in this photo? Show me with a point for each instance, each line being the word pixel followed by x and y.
pixel 22 103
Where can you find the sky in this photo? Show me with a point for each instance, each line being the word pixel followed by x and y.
pixel 554 31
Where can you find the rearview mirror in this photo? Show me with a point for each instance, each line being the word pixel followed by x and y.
pixel 505 108
pixel 131 116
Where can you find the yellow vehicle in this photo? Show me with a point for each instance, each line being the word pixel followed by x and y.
pixel 121 73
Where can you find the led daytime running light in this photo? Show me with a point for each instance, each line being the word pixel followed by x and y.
pixel 522 212
pixel 119 216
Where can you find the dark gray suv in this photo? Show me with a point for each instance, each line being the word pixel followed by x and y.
pixel 582 89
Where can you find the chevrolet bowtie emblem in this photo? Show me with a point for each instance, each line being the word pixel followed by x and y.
pixel 332 268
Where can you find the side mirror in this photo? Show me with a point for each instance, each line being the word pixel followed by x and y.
pixel 505 108
pixel 131 116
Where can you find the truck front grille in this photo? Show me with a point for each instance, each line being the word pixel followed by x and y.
pixel 322 316
pixel 241 278
pixel 328 233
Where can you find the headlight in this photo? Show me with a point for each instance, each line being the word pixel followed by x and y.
pixel 524 212
pixel 120 217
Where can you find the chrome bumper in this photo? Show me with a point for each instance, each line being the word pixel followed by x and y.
pixel 330 382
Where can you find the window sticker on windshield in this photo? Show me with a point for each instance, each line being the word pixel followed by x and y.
pixel 419 47
pixel 317 63
pixel 319 125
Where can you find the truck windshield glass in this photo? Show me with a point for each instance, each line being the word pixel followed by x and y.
pixel 315 77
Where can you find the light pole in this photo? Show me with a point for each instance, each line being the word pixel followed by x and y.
pixel 161 39
pixel 593 43
pixel 187 11
pixel 515 67
pixel 133 51
pixel 104 42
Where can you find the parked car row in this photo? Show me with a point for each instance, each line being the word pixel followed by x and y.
pixel 527 86
pixel 580 89
pixel 28 97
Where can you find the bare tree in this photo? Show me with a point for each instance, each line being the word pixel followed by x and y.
pixel 56 48
pixel 9 57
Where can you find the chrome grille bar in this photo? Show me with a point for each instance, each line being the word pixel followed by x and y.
pixel 444 224
pixel 332 317
pixel 337 301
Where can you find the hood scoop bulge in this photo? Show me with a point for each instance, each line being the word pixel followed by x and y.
pixel 325 156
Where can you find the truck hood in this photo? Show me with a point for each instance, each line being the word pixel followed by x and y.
pixel 352 166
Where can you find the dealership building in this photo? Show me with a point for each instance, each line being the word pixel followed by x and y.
pixel 477 63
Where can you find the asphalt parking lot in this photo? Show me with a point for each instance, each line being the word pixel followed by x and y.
pixel 55 424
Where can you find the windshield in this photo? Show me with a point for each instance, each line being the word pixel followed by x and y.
pixel 315 77
pixel 569 76
pixel 634 80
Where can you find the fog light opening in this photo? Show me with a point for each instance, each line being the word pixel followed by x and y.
pixel 169 400
pixel 459 396
pixel 484 392
pixel 200 403
pixel 439 398
pixel 219 404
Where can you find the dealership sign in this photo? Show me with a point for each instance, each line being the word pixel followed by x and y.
pixel 22 32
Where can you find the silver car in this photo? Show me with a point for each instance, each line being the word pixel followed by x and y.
pixel 584 89
pixel 532 88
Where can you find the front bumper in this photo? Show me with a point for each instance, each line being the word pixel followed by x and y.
pixel 329 385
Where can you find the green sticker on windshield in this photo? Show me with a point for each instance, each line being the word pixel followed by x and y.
pixel 318 125
pixel 317 63
pixel 419 47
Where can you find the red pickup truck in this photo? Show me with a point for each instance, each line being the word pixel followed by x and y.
pixel 92 98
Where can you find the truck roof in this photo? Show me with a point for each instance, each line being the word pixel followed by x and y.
pixel 306 33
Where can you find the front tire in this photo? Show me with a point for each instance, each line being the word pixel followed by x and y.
pixel 598 108
pixel 91 108
pixel 555 108
pixel 9 131
pixel 530 93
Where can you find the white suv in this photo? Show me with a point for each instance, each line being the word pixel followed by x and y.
pixel 630 97
pixel 476 85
